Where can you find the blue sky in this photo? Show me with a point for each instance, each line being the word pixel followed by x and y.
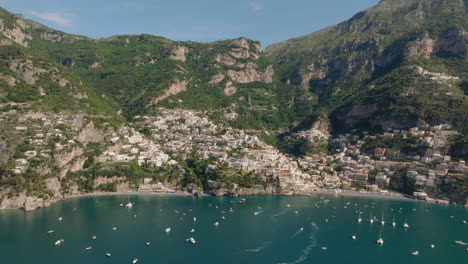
pixel 268 21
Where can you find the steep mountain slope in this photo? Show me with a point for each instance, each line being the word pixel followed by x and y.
pixel 395 65
pixel 37 81
pixel 140 73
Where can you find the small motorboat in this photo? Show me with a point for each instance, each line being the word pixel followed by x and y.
pixel 301 229
pixel 88 248
pixel 380 241
pixel 194 219
pixel 216 224
pixel 415 253
pixel 50 231
pixel 108 255
pixel 324 248
pixel 432 246
pixel 192 230
pixel 94 237
pixel 191 240
pixel 58 242
pixel 60 219
pixel 353 237
pixel 114 228
pixel 168 230
pixel 148 244
pixel 129 205
pixel 134 261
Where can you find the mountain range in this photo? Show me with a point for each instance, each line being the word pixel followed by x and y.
pixel 397 65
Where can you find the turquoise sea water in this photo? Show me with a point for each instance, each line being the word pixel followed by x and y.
pixel 273 235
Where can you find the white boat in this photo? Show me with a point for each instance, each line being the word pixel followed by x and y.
pixel 134 261
pixel 380 241
pixel 432 246
pixel 301 229
pixel 121 205
pixel 58 242
pixel 382 221
pixel 415 253
pixel 288 205
pixel 359 220
pixel 108 255
pixel 114 228
pixel 88 248
pixel 192 231
pixel 405 225
pixel 60 219
pixel 191 240
pixel 194 219
pixel 50 231
pixel 324 248
pixel 129 205
pixel 168 230
pixel 148 244
pixel 371 220
pixel 393 222
pixel 94 237
pixel 216 224
pixel 353 237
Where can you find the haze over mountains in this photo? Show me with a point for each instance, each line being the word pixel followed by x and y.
pixel 397 65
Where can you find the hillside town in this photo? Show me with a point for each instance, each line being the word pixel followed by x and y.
pixel 61 142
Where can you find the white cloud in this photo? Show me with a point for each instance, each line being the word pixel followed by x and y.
pixel 255 6
pixel 61 19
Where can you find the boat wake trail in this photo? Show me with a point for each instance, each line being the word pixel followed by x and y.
pixel 306 251
pixel 297 233
pixel 255 250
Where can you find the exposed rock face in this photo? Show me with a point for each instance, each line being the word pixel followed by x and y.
pixel 53 184
pixel 5 153
pixel 15 33
pixel 30 73
pixel 312 73
pixel 10 80
pixel 178 53
pixel 235 191
pixel 216 78
pixel 58 36
pixel 90 134
pixel 25 202
pixel 175 88
pixel 225 59
pixel 26 70
pixel 96 64
pixel 423 47
pixel 65 157
pixel 229 89
pixel 251 74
